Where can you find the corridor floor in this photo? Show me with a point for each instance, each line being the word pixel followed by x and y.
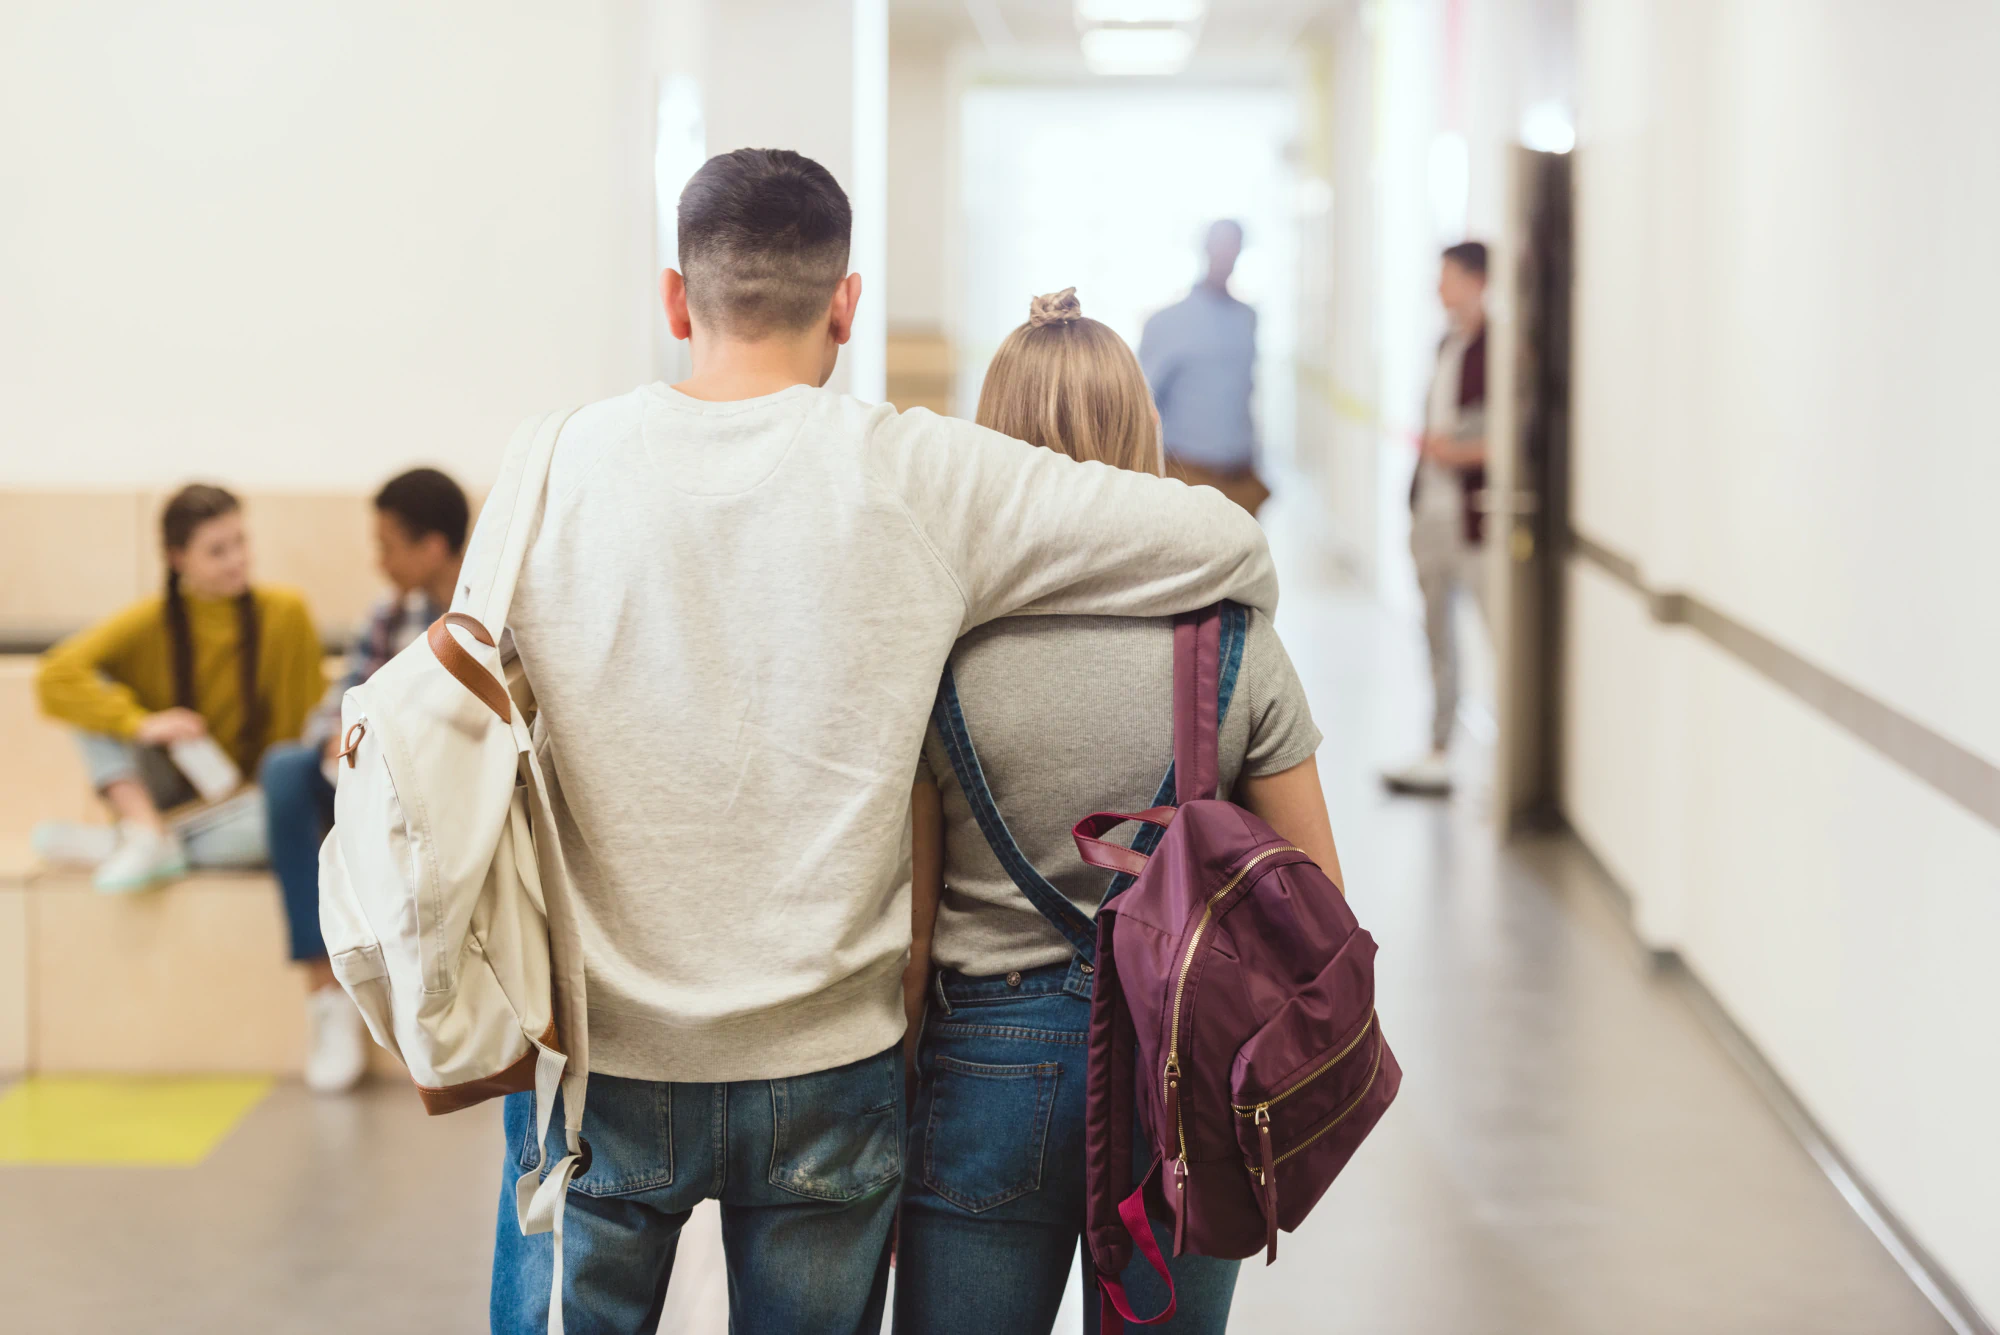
pixel 1572 1152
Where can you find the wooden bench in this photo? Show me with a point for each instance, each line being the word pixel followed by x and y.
pixel 190 977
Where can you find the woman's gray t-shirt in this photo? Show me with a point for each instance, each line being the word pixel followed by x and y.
pixel 1072 715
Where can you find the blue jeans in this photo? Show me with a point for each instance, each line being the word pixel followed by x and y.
pixel 993 1207
pixel 806 1169
pixel 232 840
pixel 298 811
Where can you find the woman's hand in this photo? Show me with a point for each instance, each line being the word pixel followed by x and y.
pixel 171 725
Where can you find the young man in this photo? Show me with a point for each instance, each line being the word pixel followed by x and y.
pixel 1200 357
pixel 733 615
pixel 1447 520
pixel 420 522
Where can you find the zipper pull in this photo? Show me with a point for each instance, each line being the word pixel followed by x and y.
pixel 1172 1098
pixel 1268 1180
pixel 1180 1202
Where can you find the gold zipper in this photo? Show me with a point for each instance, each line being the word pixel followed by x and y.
pixel 1375 1070
pixel 1187 963
pixel 1325 1066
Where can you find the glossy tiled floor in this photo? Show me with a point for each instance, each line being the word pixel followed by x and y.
pixel 1571 1151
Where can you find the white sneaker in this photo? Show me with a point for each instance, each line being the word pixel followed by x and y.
pixel 336 1042
pixel 1428 777
pixel 73 842
pixel 142 857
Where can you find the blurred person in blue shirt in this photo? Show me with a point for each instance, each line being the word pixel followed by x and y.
pixel 1199 355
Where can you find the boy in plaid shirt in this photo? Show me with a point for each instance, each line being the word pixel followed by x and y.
pixel 420 526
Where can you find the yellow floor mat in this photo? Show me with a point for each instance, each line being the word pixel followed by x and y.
pixel 168 1121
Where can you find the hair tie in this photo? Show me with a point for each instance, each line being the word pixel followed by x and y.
pixel 1055 308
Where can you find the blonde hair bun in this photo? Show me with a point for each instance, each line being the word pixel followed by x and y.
pixel 1078 391
pixel 1055 308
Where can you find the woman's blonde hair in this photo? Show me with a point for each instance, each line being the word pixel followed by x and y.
pixel 1072 385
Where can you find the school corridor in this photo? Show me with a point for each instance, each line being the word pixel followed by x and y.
pixel 1577 1147
pixel 1620 374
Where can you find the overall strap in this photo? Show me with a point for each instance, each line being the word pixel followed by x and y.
pixel 1208 652
pixel 1231 629
pixel 1051 903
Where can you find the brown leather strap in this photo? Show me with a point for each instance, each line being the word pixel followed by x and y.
pixel 470 624
pixel 452 656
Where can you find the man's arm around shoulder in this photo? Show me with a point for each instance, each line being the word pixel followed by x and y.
pixel 1022 529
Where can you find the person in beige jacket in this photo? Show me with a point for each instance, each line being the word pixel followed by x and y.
pixel 733 615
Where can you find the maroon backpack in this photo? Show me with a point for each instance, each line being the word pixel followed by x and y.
pixel 1235 1003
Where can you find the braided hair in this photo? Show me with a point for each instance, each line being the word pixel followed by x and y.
pixel 186 511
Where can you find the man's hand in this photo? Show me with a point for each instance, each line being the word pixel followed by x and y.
pixel 171 725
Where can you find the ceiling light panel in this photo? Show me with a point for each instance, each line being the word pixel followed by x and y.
pixel 1137 50
pixel 1140 11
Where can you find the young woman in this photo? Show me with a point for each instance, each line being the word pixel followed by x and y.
pixel 211 657
pixel 1066 715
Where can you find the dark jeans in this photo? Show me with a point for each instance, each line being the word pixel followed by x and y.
pixel 806 1169
pixel 993 1205
pixel 298 811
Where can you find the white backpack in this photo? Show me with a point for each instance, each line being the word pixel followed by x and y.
pixel 444 900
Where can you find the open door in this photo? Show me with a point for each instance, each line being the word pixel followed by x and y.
pixel 1529 497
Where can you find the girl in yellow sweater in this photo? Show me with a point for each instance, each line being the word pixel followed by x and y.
pixel 212 657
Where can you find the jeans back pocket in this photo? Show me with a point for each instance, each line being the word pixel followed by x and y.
pixel 630 1127
pixel 838 1135
pixel 988 1128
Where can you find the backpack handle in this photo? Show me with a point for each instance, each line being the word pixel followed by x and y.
pixel 1116 1308
pixel 453 658
pixel 1114 857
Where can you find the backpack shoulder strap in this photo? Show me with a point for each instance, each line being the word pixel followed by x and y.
pixel 1110 1102
pixel 1114 1205
pixel 499 541
pixel 1208 652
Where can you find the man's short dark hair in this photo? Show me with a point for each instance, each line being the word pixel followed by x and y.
pixel 1469 256
pixel 763 241
pixel 425 501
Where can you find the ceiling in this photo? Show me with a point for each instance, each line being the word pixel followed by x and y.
pixel 1232 30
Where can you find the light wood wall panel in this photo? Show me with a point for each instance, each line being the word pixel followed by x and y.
pixel 191 977
pixel 42 777
pixel 66 557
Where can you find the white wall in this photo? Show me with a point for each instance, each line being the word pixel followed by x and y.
pixel 814 78
pixel 922 125
pixel 302 245
pixel 1782 408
